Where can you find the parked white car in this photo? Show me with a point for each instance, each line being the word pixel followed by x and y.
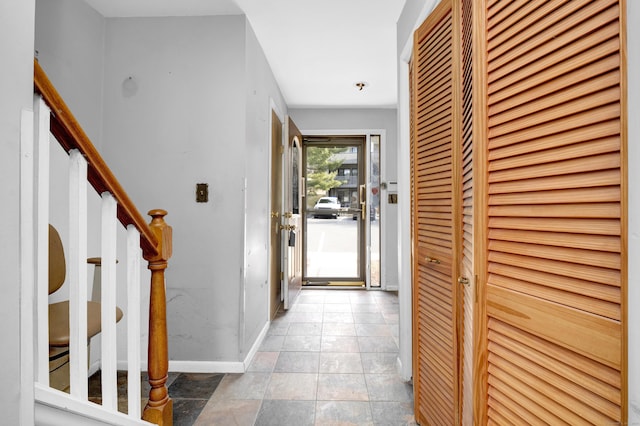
pixel 327 207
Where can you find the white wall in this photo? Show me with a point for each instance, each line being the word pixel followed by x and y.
pixel 261 90
pixel 181 101
pixel 633 41
pixel 69 41
pixel 180 121
pixel 16 86
pixel 312 119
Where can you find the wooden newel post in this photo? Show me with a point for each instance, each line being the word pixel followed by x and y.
pixel 159 409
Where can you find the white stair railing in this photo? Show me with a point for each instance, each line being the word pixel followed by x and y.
pixel 151 241
pixel 77 279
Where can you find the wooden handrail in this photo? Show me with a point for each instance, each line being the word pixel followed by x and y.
pixel 70 135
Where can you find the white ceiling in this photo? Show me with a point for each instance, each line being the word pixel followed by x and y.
pixel 317 49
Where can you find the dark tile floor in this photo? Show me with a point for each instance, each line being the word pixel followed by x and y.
pixel 189 392
pixel 329 360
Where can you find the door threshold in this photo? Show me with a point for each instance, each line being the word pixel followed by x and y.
pixel 350 284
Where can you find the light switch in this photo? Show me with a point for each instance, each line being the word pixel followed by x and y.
pixel 202 192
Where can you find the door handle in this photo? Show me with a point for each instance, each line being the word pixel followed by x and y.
pixel 432 260
pixel 363 201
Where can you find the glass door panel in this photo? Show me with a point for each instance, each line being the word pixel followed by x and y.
pixel 333 211
pixel 374 210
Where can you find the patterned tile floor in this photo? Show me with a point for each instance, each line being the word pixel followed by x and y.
pixel 329 360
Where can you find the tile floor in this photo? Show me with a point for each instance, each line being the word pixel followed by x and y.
pixel 329 360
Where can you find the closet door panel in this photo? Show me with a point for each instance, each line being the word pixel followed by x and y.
pixel 555 259
pixel 437 222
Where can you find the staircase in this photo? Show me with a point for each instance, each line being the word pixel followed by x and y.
pixel 51 122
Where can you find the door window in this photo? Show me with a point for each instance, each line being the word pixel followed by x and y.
pixel 334 237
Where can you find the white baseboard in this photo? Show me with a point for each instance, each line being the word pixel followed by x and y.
pixel 402 372
pixel 93 368
pixel 204 366
pixel 256 345
pixel 196 366
pixel 391 287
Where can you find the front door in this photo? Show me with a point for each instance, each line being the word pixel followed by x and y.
pixel 334 210
pixel 275 266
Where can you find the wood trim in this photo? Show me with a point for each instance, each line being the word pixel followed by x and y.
pixel 467 354
pixel 413 84
pixel 70 135
pixel 456 196
pixel 624 207
pixel 481 197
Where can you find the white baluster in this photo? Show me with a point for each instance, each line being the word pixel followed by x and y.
pixel 134 256
pixel 77 279
pixel 42 120
pixel 109 352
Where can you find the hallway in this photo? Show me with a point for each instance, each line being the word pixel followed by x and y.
pixel 331 359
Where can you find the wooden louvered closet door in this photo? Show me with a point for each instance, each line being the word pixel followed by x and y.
pixel 436 217
pixel 554 272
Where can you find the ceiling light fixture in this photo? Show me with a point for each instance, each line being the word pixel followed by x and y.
pixel 361 85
